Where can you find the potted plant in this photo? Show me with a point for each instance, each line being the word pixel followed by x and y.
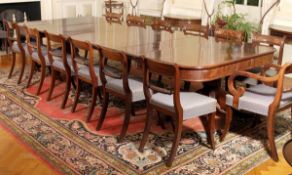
pixel 227 18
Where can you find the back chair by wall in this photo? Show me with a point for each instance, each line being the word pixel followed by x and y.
pixel 228 35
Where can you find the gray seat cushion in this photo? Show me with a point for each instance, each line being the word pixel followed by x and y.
pixel 36 58
pixel 268 90
pixel 193 104
pixel 135 86
pixel 83 71
pixel 58 62
pixel 15 48
pixel 256 102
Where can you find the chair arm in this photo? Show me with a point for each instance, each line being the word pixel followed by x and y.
pixel 238 92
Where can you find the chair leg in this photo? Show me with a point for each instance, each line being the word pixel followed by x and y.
pixel 93 103
pixel 12 65
pixel 211 127
pixel 67 91
pixel 178 131
pixel 126 119
pixel 103 111
pixel 271 138
pixel 228 119
pixel 32 68
pixel 77 94
pixel 146 129
pixel 53 76
pixel 22 68
pixel 133 111
pixel 43 76
pixel 160 121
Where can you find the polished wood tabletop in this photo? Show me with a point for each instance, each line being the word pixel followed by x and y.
pixel 200 59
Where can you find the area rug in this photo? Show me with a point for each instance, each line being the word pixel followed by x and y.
pixel 71 146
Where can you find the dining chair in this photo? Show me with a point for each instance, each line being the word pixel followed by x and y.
pixel 273 41
pixel 195 29
pixel 38 54
pixel 86 70
pixel 159 24
pixel 15 34
pixel 180 106
pixel 133 20
pixel 227 34
pixel 118 83
pixel 114 17
pixel 260 99
pixel 60 62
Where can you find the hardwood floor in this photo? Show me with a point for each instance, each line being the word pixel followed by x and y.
pixel 15 159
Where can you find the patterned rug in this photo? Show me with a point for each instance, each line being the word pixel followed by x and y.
pixel 72 146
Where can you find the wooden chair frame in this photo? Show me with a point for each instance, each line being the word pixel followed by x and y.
pixel 133 20
pixel 77 59
pixel 227 34
pixel 172 71
pixel 61 41
pixel 259 39
pixel 34 34
pixel 10 41
pixel 196 30
pixel 158 24
pixel 274 106
pixel 105 70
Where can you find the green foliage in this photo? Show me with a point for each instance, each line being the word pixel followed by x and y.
pixel 233 21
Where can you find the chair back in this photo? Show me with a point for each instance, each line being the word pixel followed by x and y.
pixel 260 39
pixel 20 32
pixel 119 59
pixel 166 70
pixel 114 17
pixel 34 43
pixel 135 21
pixel 287 153
pixel 159 24
pixel 195 29
pixel 60 42
pixel 79 61
pixel 230 35
pixel 10 32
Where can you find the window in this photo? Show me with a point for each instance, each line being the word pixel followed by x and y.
pixel 248 2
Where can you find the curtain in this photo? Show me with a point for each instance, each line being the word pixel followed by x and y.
pixel 266 4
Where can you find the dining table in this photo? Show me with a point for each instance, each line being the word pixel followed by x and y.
pixel 200 59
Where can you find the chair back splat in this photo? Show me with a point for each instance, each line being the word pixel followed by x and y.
pixel 260 39
pixel 230 35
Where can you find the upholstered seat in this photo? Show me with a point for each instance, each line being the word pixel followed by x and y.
pixel 58 62
pixel 268 90
pixel 83 71
pixel 257 103
pixel 16 48
pixel 193 104
pixel 135 86
pixel 35 55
